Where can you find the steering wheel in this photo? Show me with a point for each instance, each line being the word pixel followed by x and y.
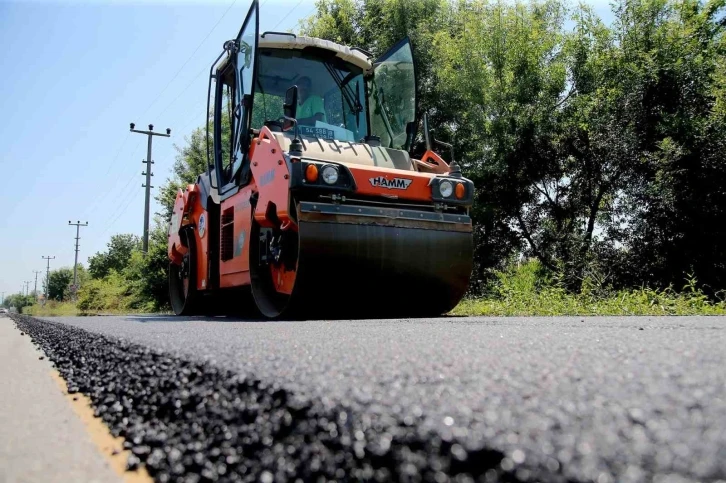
pixel 275 125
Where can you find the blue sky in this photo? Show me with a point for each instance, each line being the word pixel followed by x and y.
pixel 74 74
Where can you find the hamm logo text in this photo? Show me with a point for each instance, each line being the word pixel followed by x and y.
pixel 395 183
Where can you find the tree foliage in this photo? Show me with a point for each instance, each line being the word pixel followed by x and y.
pixel 18 300
pixel 597 149
pixel 593 147
pixel 124 278
pixel 59 284
pixel 116 257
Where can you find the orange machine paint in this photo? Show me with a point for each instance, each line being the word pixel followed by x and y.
pixel 188 212
pixel 270 172
pixel 431 162
pixel 235 271
pixel 418 189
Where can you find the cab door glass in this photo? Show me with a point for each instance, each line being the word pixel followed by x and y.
pixel 224 102
pixel 245 69
pixel 393 96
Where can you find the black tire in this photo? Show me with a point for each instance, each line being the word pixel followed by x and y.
pixel 183 293
pixel 268 301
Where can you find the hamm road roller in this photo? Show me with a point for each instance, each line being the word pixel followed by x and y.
pixel 313 203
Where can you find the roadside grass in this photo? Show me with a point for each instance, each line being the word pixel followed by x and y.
pixel 52 309
pixel 70 309
pixel 522 291
pixel 552 302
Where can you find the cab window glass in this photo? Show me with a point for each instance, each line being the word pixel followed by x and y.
pixel 331 97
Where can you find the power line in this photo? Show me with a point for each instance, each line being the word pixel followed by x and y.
pixel 123 210
pixel 190 58
pixel 124 205
pixel 125 195
pixel 175 100
pixel 113 162
pixel 288 14
pixel 204 69
pixel 106 193
pixel 192 120
pixel 125 200
pixel 108 170
pixel 201 109
pixel 97 202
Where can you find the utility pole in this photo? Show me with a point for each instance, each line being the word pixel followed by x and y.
pixel 148 175
pixel 27 283
pixel 78 226
pixel 47 277
pixel 36 272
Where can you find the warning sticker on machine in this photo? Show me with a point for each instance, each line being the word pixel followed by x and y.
pixel 395 183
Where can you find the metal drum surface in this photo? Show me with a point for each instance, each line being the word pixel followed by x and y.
pixel 356 264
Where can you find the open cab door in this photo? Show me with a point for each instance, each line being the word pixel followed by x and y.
pixel 233 94
pixel 393 98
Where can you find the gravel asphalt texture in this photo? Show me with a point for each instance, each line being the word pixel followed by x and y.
pixel 451 399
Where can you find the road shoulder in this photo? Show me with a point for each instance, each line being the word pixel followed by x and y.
pixel 42 439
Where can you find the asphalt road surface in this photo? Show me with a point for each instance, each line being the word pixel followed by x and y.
pixel 449 399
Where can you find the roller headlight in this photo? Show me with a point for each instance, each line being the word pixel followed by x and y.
pixel 330 174
pixel 446 188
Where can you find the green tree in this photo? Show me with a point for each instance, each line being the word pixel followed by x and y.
pixel 148 275
pixel 18 301
pixel 505 69
pixel 59 283
pixel 596 147
pixel 116 257
pixel 671 60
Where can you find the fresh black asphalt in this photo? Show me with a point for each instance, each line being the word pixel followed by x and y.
pixel 451 399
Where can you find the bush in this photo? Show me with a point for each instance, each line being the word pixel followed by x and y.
pixel 52 308
pixel 134 282
pixel 527 290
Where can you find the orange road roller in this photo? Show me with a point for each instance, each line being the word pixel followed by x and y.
pixel 312 204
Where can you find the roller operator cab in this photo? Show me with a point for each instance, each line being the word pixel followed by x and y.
pixel 312 204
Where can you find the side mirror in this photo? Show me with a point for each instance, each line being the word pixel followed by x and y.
pixel 410 135
pixel 426 132
pixel 455 171
pixel 430 136
pixel 289 107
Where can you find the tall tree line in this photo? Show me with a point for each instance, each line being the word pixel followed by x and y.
pixel 596 148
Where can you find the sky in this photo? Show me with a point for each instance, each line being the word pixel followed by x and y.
pixel 74 75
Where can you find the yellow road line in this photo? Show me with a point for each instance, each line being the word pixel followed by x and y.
pixel 112 448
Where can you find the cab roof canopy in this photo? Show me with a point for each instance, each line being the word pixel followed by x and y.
pixel 287 41
pixel 275 40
